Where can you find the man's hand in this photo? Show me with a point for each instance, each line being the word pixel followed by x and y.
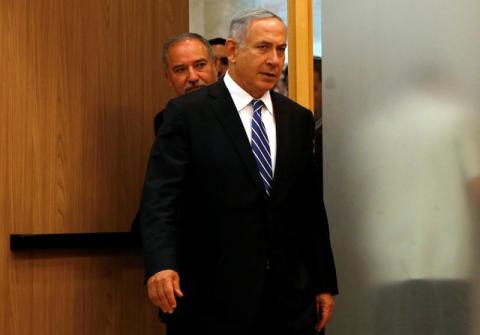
pixel 325 305
pixel 162 289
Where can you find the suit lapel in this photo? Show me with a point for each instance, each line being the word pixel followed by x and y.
pixel 229 118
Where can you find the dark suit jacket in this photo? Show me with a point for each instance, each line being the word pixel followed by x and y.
pixel 205 212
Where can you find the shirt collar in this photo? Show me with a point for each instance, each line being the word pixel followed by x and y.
pixel 241 98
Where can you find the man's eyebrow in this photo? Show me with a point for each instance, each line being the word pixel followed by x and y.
pixel 175 66
pixel 270 43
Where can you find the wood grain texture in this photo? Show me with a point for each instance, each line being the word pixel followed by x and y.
pixel 81 82
pixel 4 210
pixel 86 82
pixel 300 52
pixel 77 293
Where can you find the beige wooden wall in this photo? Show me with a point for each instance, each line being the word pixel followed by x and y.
pixel 80 83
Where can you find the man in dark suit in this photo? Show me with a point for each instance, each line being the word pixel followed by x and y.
pixel 234 230
pixel 190 64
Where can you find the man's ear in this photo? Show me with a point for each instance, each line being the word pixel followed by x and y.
pixel 231 48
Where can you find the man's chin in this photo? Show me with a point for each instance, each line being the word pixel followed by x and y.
pixel 267 86
pixel 268 83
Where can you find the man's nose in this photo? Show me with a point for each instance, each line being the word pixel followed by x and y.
pixel 274 59
pixel 192 75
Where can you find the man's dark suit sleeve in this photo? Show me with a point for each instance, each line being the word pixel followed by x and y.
pixel 162 191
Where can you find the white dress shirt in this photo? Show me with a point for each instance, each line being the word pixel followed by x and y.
pixel 242 101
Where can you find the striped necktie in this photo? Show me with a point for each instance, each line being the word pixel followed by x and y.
pixel 261 146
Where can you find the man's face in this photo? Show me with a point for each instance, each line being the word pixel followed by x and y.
pixel 222 60
pixel 257 65
pixel 189 66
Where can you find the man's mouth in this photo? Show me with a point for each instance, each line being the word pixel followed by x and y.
pixel 268 74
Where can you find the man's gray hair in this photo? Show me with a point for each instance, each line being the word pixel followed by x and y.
pixel 184 37
pixel 241 20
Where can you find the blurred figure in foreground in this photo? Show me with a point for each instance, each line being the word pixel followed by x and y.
pixel 421 163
